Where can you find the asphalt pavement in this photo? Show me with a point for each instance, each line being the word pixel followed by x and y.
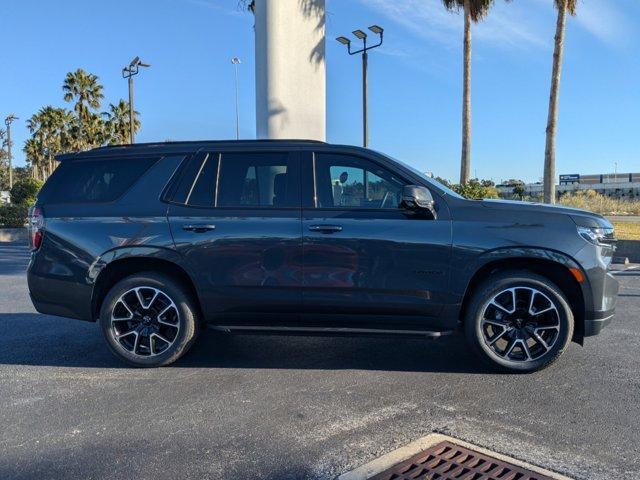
pixel 297 407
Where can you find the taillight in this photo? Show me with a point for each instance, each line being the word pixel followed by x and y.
pixel 36 224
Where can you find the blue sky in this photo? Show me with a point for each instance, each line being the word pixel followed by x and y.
pixel 415 78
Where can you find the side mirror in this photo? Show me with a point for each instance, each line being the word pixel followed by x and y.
pixel 418 201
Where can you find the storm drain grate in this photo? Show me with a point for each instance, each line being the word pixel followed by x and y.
pixel 448 461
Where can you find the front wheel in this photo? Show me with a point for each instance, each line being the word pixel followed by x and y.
pixel 149 320
pixel 519 322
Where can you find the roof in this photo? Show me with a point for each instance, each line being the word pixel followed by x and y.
pixel 185 146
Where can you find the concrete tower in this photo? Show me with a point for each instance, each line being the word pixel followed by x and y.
pixel 290 69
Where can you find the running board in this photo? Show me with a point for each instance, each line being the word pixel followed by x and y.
pixel 326 331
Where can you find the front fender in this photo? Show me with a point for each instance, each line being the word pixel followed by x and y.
pixel 499 256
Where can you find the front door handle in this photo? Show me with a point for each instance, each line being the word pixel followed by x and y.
pixel 199 228
pixel 325 228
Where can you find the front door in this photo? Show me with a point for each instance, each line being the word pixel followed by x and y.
pixel 363 257
pixel 235 218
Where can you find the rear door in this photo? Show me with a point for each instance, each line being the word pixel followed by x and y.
pixel 364 257
pixel 236 218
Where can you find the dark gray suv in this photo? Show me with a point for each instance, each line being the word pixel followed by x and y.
pixel 154 241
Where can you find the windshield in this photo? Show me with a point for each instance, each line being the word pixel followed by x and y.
pixel 430 180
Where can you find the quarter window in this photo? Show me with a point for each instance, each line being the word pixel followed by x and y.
pixel 100 180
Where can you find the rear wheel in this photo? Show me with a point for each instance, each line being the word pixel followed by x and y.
pixel 519 322
pixel 149 320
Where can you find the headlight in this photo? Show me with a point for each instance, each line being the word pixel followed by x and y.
pixel 597 236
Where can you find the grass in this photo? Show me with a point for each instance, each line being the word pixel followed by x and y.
pixel 594 202
pixel 627 230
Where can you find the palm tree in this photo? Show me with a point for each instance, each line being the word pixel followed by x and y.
pixel 563 7
pixel 117 123
pixel 474 11
pixel 51 128
pixel 85 89
pixel 34 152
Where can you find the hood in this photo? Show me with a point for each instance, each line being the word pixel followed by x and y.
pixel 582 218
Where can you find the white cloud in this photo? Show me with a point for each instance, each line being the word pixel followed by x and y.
pixel 227 7
pixel 505 26
pixel 603 20
pixel 522 24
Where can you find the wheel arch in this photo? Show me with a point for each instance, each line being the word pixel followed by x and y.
pixel 555 266
pixel 118 264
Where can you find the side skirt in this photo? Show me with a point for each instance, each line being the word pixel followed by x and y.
pixel 326 331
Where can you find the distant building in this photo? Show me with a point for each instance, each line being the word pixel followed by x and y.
pixel 618 185
pixel 5 197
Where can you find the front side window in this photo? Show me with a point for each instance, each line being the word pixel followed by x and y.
pixel 353 182
pixel 256 180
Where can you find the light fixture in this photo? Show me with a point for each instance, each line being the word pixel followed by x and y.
pixel 376 29
pixel 344 40
pixel 360 34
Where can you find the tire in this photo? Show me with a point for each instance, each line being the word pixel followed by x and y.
pixel 149 320
pixel 506 339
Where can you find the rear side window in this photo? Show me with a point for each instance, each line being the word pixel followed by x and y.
pixel 247 179
pixel 197 183
pixel 96 181
pixel 257 180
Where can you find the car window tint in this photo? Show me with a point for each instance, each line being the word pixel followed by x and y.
pixel 353 182
pixel 187 177
pixel 100 180
pixel 201 192
pixel 255 179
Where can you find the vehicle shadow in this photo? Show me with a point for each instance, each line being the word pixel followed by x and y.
pixel 33 339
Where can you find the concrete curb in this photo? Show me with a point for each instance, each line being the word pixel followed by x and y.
pixel 403 453
pixel 10 235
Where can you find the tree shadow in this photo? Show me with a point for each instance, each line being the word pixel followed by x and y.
pixel 315 9
pixel 51 341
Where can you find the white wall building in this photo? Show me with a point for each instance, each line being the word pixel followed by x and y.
pixel 290 69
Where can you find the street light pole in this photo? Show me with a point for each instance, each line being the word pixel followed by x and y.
pixel 365 74
pixel 128 72
pixel 131 110
pixel 236 61
pixel 7 122
pixel 365 99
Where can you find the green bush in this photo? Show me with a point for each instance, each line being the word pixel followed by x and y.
pixel 476 190
pixel 25 191
pixel 13 216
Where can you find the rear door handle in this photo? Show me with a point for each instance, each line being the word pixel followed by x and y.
pixel 199 228
pixel 325 228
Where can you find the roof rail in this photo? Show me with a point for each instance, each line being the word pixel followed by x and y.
pixel 197 142
pixel 187 143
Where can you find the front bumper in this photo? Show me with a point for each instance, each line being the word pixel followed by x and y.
pixel 605 297
pixel 593 326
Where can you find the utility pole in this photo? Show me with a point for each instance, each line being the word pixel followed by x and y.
pixel 236 61
pixel 128 73
pixel 7 122
pixel 365 76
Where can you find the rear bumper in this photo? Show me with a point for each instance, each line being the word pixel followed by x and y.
pixel 62 296
pixel 59 310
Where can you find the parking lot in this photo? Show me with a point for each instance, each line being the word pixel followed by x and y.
pixel 295 407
